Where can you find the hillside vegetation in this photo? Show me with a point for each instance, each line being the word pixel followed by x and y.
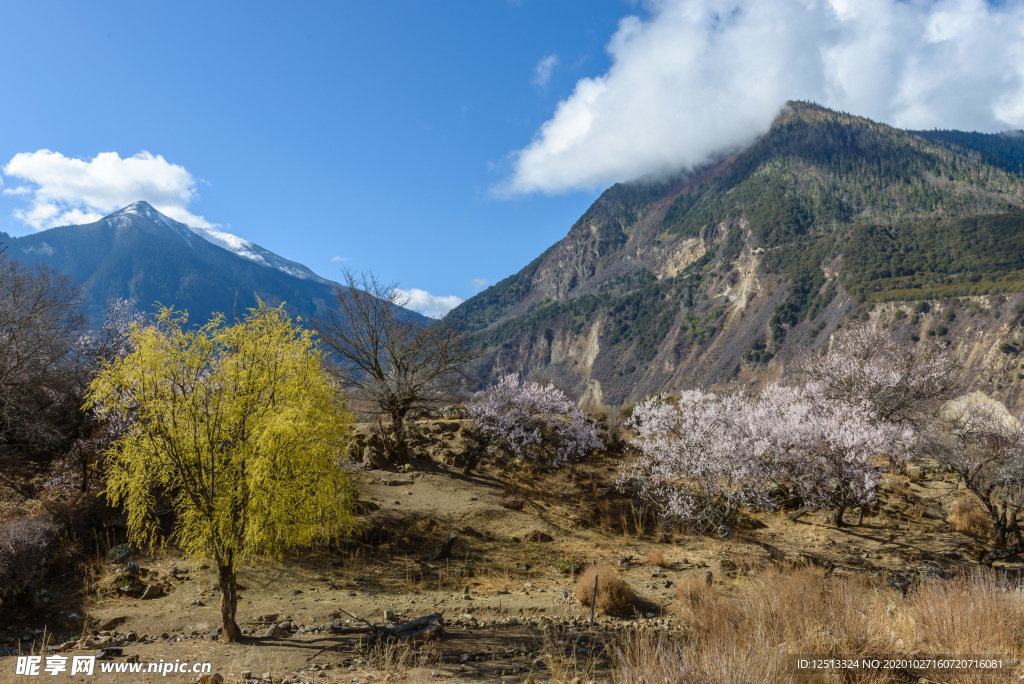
pixel 731 270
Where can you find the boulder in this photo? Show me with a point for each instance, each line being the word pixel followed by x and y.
pixel 373 457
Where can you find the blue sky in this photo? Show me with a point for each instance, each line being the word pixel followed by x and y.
pixel 371 132
pixel 446 144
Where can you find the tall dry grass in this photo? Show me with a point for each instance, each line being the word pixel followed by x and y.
pixel 750 631
pixel 968 516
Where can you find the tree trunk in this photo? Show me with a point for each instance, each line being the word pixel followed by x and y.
pixel 839 516
pixel 400 453
pixel 999 527
pixel 229 602
pixel 860 517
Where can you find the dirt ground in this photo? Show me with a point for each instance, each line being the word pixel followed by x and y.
pixel 506 591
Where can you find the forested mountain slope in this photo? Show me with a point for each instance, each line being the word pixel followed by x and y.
pixel 734 270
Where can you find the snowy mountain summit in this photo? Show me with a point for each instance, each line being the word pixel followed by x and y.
pixel 232 243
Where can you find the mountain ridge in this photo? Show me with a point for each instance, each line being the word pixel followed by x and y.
pixel 138 253
pixel 721 274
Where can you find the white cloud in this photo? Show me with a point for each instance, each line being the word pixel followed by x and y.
pixel 701 77
pixel 64 190
pixel 43 248
pixel 338 259
pixel 427 304
pixel 477 284
pixel 542 72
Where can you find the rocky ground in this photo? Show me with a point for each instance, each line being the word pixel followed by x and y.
pixel 506 591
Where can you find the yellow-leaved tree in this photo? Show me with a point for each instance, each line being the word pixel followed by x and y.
pixel 240 426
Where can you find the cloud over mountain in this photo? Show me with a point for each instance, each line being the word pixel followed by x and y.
pixel 701 77
pixel 63 190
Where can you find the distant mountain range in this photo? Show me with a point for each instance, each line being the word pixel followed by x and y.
pixel 139 254
pixel 732 271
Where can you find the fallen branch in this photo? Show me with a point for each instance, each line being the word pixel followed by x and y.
pixel 426 626
pixel 801 512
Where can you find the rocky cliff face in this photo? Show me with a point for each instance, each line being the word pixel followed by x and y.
pixel 732 272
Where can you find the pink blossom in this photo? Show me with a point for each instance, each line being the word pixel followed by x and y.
pixel 533 422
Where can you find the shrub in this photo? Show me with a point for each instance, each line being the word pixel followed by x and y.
pixel 657 557
pixel 614 596
pixel 696 464
pixel 534 423
pixel 23 547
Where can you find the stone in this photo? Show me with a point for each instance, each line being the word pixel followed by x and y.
pixel 121 552
pixel 274 630
pixel 390 616
pixel 538 536
pixel 372 458
pixel 152 591
pixel 132 589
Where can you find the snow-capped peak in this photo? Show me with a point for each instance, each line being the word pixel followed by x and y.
pixel 232 243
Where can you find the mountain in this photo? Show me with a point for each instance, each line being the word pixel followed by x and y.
pixel 731 271
pixel 232 243
pixel 140 254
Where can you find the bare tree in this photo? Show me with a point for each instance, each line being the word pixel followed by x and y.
pixel 389 358
pixel 41 325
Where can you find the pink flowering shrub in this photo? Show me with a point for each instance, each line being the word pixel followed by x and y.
pixel 534 423
pixel 79 471
pixel 827 449
pixel 895 380
pixel 698 460
pixel 709 454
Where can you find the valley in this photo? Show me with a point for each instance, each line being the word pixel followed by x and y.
pixel 763 409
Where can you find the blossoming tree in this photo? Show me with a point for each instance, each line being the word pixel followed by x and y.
pixel 534 423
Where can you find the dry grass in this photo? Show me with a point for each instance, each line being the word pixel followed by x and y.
pixel 399 663
pixel 566 664
pixel 748 631
pixel 513 503
pixel 969 517
pixel 657 558
pixel 614 596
